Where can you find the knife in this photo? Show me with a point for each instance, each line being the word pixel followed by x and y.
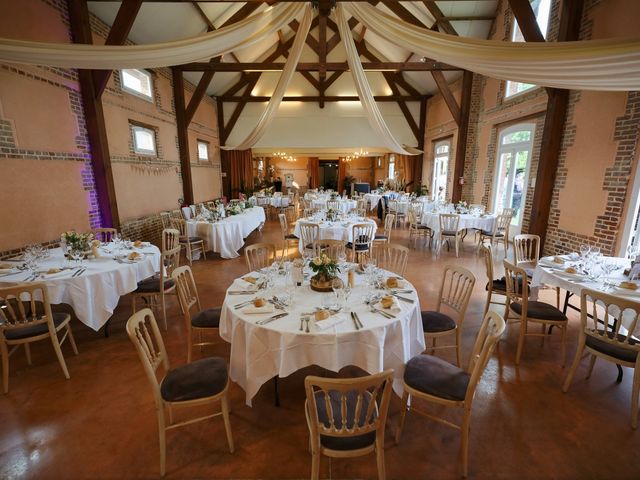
pixel 355 322
pixel 271 319
pixel 358 319
pixel 404 299
pixel 241 292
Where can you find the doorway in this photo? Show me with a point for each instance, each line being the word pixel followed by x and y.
pixel 440 169
pixel 329 174
pixel 512 172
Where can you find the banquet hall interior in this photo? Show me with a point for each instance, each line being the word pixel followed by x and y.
pixel 281 240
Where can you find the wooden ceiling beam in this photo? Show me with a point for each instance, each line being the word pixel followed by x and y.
pixel 463 130
pixel 526 19
pixel 402 13
pixel 464 18
pixel 118 34
pixel 447 95
pixel 441 23
pixel 327 98
pixel 314 67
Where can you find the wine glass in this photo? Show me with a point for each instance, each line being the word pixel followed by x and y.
pixel 607 269
pixel 338 289
pixel 631 252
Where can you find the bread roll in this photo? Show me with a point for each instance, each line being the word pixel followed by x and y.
pixel 392 282
pixel 628 285
pixel 137 243
pixel 259 302
pixel 133 256
pixel 559 260
pixel 386 302
pixel 54 270
pixel 570 270
pixel 251 280
pixel 322 315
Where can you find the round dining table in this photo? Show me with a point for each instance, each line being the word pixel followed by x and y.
pixel 93 287
pixel 344 205
pixel 269 344
pixel 334 230
pixel 484 222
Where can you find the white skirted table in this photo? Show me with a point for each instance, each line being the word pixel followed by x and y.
pixel 486 222
pixel 227 236
pixel 338 230
pixel 279 348
pixel 95 293
pixel 344 206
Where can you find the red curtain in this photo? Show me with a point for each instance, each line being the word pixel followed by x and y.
pixel 342 172
pixel 240 170
pixel 313 167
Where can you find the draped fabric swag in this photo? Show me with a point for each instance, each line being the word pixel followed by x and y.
pixel 227 39
pixel 283 82
pixel 364 89
pixel 585 65
pixel 240 170
pixel 313 167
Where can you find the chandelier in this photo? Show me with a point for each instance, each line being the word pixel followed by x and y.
pixel 358 154
pixel 284 156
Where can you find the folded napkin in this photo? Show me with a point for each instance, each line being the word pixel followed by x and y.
pixel 393 309
pixel 329 322
pixel 255 310
pixel 249 279
pixel 245 286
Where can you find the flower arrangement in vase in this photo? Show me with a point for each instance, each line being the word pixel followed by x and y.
pixel 462 207
pixel 73 240
pixel 331 215
pixel 325 269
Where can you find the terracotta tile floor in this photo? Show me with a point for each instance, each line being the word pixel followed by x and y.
pixel 101 423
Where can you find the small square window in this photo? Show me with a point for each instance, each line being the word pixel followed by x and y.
pixel 144 140
pixel 203 151
pixel 137 82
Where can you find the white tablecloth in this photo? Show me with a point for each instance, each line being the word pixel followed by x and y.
pixel 373 199
pixel 344 206
pixel 432 220
pixel 227 236
pixel 93 295
pixel 339 230
pixel 259 353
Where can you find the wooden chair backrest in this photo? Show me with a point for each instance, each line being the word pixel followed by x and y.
pixel 389 220
pixel 487 255
pixel 449 222
pixel 517 284
pixel 330 247
pixel 170 239
pixel 259 255
pixel 165 218
pixel 25 305
pixel 491 330
pixel 413 218
pixel 187 290
pixel 526 248
pixel 284 227
pixel 362 234
pixel 370 394
pixel 503 222
pixel 455 290
pixel 417 207
pixel 179 224
pixel 309 232
pixel 290 213
pixel 104 234
pixel 143 331
pixel 392 206
pixel 178 213
pixel 509 211
pixel 333 204
pixel 392 257
pixel 610 319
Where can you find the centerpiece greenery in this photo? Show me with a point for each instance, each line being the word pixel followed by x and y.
pixel 235 208
pixel 325 269
pixel 331 215
pixel 77 241
pixel 462 207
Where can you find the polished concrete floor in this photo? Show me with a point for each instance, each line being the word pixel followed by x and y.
pixel 101 423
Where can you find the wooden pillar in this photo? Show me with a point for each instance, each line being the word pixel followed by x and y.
pixel 94 119
pixel 463 129
pixel 557 103
pixel 183 135
pixel 225 170
pixel 417 166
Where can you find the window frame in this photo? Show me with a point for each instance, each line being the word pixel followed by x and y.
pixel 131 91
pixel 391 166
pixel 436 155
pixel 143 151
pixel 206 144
pixel 514 28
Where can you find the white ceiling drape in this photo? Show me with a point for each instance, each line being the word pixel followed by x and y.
pixel 195 49
pixel 363 88
pixel 281 87
pixel 585 65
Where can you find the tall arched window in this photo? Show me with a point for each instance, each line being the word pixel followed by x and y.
pixel 512 171
pixel 441 151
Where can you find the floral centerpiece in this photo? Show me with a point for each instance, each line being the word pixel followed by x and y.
pixel 73 240
pixel 462 207
pixel 331 215
pixel 235 208
pixel 325 269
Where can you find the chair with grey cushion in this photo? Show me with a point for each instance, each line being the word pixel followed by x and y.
pixel 26 317
pixel 530 311
pixel 449 228
pixel 431 379
pixel 196 319
pixel 610 331
pixel 332 407
pixel 202 383
pixel 455 292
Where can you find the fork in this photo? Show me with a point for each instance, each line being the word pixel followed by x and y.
pixel 384 314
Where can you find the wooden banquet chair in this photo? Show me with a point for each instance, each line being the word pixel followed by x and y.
pixel 455 292
pixel 494 286
pixel 385 236
pixel 165 218
pixel 431 379
pixel 259 255
pixel 332 407
pixel 391 257
pixel 603 335
pixel 153 290
pixel 530 311
pixel 416 228
pixel 204 382
pixel 449 223
pixel 287 236
pixel 190 244
pixel 362 239
pixel 332 248
pixel 394 209
pixel 199 321
pixel 526 250
pixel 500 233
pixel 104 235
pixel 309 233
pixel 24 320
pixel 333 205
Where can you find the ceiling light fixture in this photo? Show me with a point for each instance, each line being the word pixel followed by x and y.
pixel 284 156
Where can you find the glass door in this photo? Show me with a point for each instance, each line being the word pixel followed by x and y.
pixel 512 172
pixel 440 169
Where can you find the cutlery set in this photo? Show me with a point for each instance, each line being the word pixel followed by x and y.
pixel 272 318
pixel 79 272
pixel 356 320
